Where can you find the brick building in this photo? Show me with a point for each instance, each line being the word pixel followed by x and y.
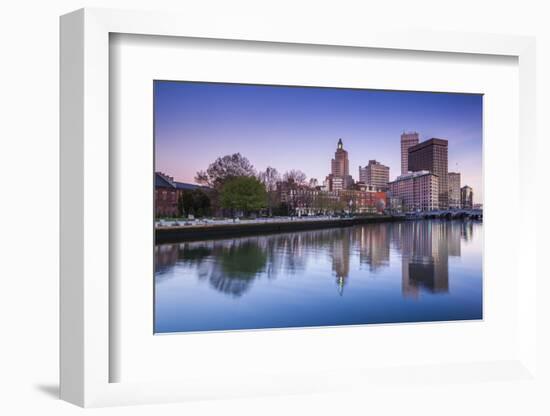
pixel 305 200
pixel 375 174
pixel 418 191
pixel 167 192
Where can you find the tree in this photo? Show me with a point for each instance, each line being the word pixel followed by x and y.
pixel 185 203
pixel 244 193
pixel 269 178
pixel 282 209
pixel 195 202
pixel 223 169
pixel 295 176
pixel 313 183
pixel 201 203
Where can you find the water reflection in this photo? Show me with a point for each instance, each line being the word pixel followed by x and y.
pixel 425 248
pixel 419 252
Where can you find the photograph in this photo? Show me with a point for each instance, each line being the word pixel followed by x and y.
pixel 282 206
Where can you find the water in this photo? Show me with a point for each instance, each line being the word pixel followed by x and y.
pixel 413 271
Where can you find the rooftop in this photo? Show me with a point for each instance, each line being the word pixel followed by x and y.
pixel 426 143
pixel 165 181
pixel 412 175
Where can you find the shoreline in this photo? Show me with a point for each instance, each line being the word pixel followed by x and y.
pixel 201 232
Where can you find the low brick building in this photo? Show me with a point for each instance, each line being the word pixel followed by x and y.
pixel 167 192
pixel 305 200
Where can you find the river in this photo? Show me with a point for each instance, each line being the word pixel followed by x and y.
pixel 410 271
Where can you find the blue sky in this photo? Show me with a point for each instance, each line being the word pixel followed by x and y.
pixel 298 128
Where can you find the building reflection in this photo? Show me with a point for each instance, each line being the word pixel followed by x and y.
pixel 340 254
pixel 425 250
pixel 231 266
pixel 467 231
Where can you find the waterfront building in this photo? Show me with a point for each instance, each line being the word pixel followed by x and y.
pixel 467 197
pixel 337 183
pixel 408 140
pixel 363 174
pixel 339 177
pixel 167 192
pixel 395 204
pixel 305 200
pixel 362 186
pixel 326 185
pixel 363 201
pixel 418 191
pixel 375 174
pixel 453 181
pixel 432 155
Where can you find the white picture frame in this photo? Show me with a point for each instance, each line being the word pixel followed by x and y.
pixel 86 328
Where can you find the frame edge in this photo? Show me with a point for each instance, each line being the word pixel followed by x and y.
pixel 71 217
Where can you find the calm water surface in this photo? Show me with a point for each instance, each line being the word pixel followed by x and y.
pixel 412 271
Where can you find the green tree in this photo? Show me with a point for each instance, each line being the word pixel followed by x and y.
pixel 244 193
pixel 201 203
pixel 195 202
pixel 185 203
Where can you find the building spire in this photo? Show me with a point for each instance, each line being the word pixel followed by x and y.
pixel 340 144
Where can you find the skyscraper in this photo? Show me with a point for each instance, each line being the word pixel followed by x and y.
pixel 375 174
pixel 454 190
pixel 432 155
pixel 340 163
pixel 467 197
pixel 339 177
pixel 407 140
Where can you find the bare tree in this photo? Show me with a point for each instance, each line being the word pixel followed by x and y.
pixel 269 177
pixel 296 176
pixel 223 169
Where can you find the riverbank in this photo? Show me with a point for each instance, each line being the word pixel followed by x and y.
pixel 177 234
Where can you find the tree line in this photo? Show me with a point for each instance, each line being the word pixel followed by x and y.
pixel 232 184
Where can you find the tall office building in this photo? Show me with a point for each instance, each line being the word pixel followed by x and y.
pixel 418 191
pixel 432 155
pixel 407 140
pixel 453 180
pixel 375 174
pixel 339 177
pixel 467 197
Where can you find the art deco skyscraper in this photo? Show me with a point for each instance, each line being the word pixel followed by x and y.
pixel 407 140
pixel 340 163
pixel 339 173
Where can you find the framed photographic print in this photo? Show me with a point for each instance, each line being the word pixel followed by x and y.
pixel 303 235
pixel 269 211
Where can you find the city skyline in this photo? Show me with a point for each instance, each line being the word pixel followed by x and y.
pixel 297 128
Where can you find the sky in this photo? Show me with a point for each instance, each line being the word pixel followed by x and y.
pixel 298 128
